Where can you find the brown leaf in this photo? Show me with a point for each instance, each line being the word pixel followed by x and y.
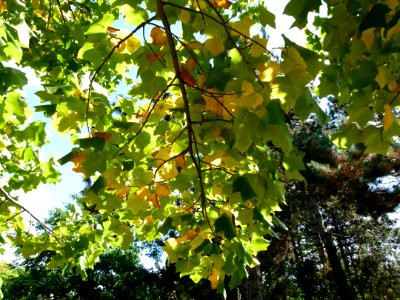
pixel 187 77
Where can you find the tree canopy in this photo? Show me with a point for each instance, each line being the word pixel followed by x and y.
pixel 180 119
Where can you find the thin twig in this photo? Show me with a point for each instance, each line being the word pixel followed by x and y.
pixel 98 69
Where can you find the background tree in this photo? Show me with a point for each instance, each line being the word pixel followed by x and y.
pixel 337 220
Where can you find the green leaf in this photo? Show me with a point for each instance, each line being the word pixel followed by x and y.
pixel 374 141
pixel 348 135
pixel 225 225
pixel 101 26
pixel 266 17
pixel 246 127
pixel 94 142
pixel 242 185
pixel 306 105
pixel 133 16
pixel 364 74
pixel 299 9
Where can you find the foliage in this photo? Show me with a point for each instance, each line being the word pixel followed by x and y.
pixel 200 144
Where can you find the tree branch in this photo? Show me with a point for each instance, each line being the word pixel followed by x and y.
pixel 15 203
pixel 191 135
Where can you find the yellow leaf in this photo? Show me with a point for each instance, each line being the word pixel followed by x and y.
pixel 392 3
pixel 142 192
pixel 123 192
pixel 215 45
pixel 132 44
pixel 110 177
pixel 395 29
pixel 166 171
pixel 268 70
pixel 247 88
pixel 221 3
pixel 388 118
pixel 153 198
pixel 249 98
pixel 162 155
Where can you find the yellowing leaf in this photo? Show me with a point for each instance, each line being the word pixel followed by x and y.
pixel 159 37
pixel 247 88
pixel 103 135
pixel 123 192
pixel 191 63
pixel 194 46
pixel 222 106
pixel 78 157
pixel 215 45
pixel 162 190
pixel 242 27
pixel 184 16
pixel 368 37
pixel 214 278
pixel 221 3
pixel 388 118
pixel 166 171
pixel 3 6
pixel 153 198
pixel 180 161
pixel 143 192
pixel 293 62
pixel 110 177
pixel 383 77
pixel 256 50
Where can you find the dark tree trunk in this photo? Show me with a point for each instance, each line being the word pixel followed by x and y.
pixel 301 275
pixel 250 289
pixel 344 289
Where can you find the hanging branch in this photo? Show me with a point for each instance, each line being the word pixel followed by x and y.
pixel 15 203
pixel 191 135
